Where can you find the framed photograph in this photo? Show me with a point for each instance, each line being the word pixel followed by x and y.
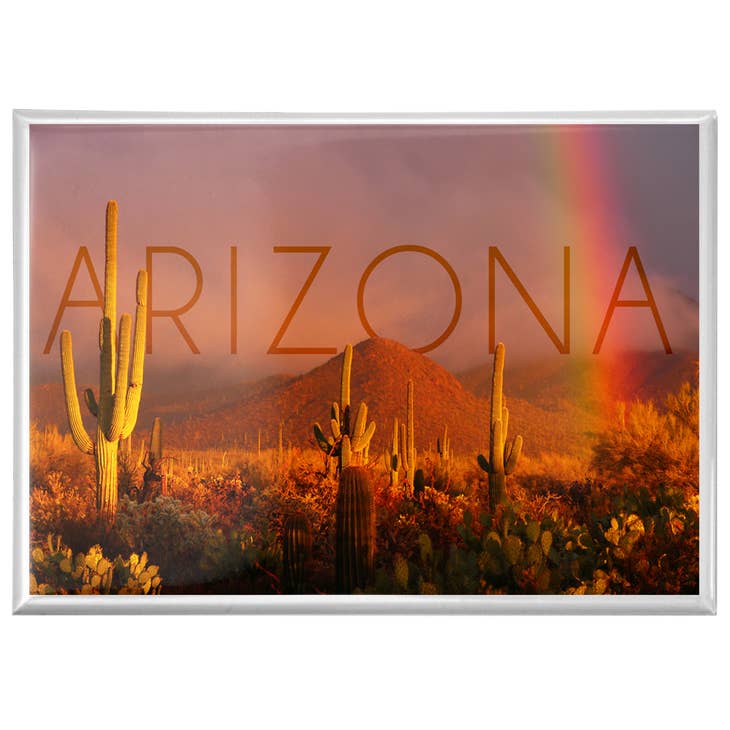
pixel 367 363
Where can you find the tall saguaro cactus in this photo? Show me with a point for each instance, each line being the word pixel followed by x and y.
pixel 502 457
pixel 350 441
pixel 391 456
pixel 119 392
pixel 407 442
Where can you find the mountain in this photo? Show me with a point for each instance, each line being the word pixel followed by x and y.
pixel 380 372
pixel 556 404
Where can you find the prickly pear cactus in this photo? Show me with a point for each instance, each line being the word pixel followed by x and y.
pixel 355 530
pixel 55 570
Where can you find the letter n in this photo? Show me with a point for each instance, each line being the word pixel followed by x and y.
pixel 562 346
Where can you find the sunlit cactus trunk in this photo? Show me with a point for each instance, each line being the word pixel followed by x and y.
pixel 503 457
pixel 119 391
pixel 407 442
pixel 105 456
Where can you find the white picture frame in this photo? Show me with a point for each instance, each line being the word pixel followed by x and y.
pixel 702 603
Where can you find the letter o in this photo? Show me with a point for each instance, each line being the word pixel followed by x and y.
pixel 412 249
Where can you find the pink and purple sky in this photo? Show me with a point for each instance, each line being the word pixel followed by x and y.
pixel 530 190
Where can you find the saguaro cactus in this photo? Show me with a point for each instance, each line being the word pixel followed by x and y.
pixel 443 447
pixel 119 393
pixel 391 456
pixel 408 448
pixel 355 530
pixel 297 552
pixel 502 457
pixel 350 441
pixel 153 464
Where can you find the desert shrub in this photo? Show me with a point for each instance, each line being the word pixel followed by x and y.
pixel 649 447
pixel 59 506
pixel 55 570
pixel 51 451
pixel 175 535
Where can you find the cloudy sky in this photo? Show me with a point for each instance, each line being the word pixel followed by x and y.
pixel 361 190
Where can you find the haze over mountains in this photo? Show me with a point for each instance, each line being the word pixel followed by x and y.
pixel 552 403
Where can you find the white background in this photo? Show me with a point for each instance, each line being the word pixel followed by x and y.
pixel 338 671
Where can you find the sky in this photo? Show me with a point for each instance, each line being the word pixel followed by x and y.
pixel 457 190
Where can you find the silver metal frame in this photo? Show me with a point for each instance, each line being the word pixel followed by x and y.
pixel 704 603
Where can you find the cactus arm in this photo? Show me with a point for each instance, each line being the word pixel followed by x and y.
pixel 78 432
pixel 514 455
pixel 134 389
pixel 346 452
pixel 335 426
pixel 360 421
pixel 322 440
pixel 116 424
pixel 360 443
pixel 335 412
pixel 106 379
pixel 483 463
pixel 91 403
pixel 345 381
pixel 110 303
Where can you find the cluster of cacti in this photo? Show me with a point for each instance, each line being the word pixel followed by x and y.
pixel 57 570
pixel 502 457
pixel 119 393
pixel 401 453
pixel 355 531
pixel 524 551
pixel 297 552
pixel 350 440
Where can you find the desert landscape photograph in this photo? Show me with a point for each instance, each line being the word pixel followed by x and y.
pixel 380 359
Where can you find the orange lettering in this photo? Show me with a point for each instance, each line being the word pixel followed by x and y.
pixel 648 302
pixel 414 249
pixel 274 348
pixel 564 346
pixel 66 301
pixel 173 314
